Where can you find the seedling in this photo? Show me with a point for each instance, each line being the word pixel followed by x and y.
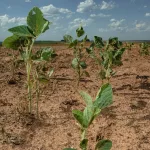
pixel 42 72
pixel 144 49
pixel 23 39
pixel 129 45
pixel 78 63
pixel 110 55
pixel 91 111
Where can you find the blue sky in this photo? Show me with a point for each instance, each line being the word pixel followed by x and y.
pixel 126 19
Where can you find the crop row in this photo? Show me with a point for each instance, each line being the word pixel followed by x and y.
pixel 110 55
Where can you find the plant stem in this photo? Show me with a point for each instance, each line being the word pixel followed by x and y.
pixel 37 95
pixel 28 70
pixel 83 134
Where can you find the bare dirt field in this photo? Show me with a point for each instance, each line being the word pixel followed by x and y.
pixel 126 122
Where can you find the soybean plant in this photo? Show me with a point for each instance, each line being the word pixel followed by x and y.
pixel 144 49
pixel 110 55
pixel 91 111
pixel 78 63
pixel 42 71
pixel 27 34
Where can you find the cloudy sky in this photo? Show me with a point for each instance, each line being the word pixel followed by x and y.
pixel 126 19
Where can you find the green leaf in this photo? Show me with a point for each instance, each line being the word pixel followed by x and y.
pixel 12 42
pixel 36 22
pixel 21 31
pixel 83 144
pixel 69 149
pixel 85 38
pixel 87 98
pixel 44 54
pixel 114 42
pixel 74 63
pixel 103 145
pixel 68 39
pixel 78 116
pixel 83 65
pixel 104 96
pixel 87 116
pixel 98 42
pixel 73 44
pixel 96 113
pixel 80 31
pixel 46 25
pixel 119 53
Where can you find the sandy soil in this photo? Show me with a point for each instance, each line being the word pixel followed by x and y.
pixel 126 122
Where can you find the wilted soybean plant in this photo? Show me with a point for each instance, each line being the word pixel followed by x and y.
pixel 78 63
pixel 91 111
pixel 110 54
pixel 23 39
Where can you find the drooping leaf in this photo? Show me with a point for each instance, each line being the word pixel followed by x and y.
pixel 12 42
pixel 47 53
pixel 36 22
pixel 80 31
pixel 74 63
pixel 85 38
pixel 46 25
pixel 44 54
pixel 114 42
pixel 103 145
pixel 73 44
pixel 68 39
pixel 21 31
pixel 83 65
pixel 104 96
pixel 78 116
pixel 119 53
pixel 87 98
pixel 84 144
pixel 98 42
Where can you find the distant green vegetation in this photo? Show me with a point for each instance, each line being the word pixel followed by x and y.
pixel 48 42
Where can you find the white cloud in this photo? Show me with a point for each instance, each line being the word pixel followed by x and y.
pixel 6 20
pixel 103 30
pixel 8 7
pixel 86 6
pixel 51 10
pixel 79 21
pixel 112 20
pixel 107 5
pixel 116 23
pixel 89 5
pixel 99 15
pixel 147 14
pixel 145 6
pixel 27 1
pixel 140 26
